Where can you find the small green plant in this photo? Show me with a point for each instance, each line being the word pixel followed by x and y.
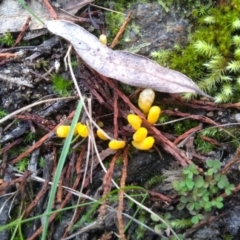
pixel 41 63
pixel 60 85
pixel 7 39
pixel 22 165
pixel 140 230
pixel 218 134
pixel 30 137
pixel 154 181
pixel 174 223
pixel 3 113
pixel 203 146
pixel 199 193
pixel 42 162
pixel 183 126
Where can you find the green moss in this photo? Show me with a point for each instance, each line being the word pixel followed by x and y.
pixel 60 85
pixel 212 57
pixel 154 181
pixel 22 165
pixel 7 39
pixel 183 126
pixel 3 113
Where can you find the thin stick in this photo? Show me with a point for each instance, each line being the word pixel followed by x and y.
pixel 121 30
pixel 21 34
pixel 121 195
pixel 30 106
pixel 115 117
pixel 50 9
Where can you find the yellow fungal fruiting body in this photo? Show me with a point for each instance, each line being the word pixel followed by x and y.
pixel 135 121
pixel 146 144
pixel 116 144
pixel 140 134
pixel 103 39
pixel 146 99
pixel 82 130
pixel 101 134
pixel 62 131
pixel 153 114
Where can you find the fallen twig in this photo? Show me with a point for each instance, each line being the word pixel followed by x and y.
pixel 121 30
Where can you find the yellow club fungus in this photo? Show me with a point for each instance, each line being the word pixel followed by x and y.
pixel 146 144
pixel 140 134
pixel 101 134
pixel 116 144
pixel 62 131
pixel 82 130
pixel 134 120
pixel 103 39
pixel 153 114
pixel 146 99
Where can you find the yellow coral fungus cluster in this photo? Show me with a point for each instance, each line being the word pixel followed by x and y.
pixel 80 129
pixel 140 139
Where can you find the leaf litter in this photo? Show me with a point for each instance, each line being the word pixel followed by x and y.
pixel 123 66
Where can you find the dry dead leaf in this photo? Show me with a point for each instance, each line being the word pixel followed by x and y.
pixel 13 16
pixel 123 66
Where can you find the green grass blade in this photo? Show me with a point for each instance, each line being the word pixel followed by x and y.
pixel 23 4
pixel 62 159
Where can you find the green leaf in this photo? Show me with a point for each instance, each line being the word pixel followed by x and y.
pixel 176 185
pixel 219 205
pixel 210 172
pixel 158 228
pixel 208 206
pixel 154 217
pixel 215 164
pixel 222 182
pixel 190 206
pixel 189 183
pixel 197 206
pixel 183 199
pixel 219 199
pixel 229 188
pixel 205 198
pixel 205 185
pixel 200 193
pixel 182 184
pixel 199 182
pixel 228 192
pixel 217 177
pixel 181 206
pixel 214 189
pixel 195 219
pixel 190 171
